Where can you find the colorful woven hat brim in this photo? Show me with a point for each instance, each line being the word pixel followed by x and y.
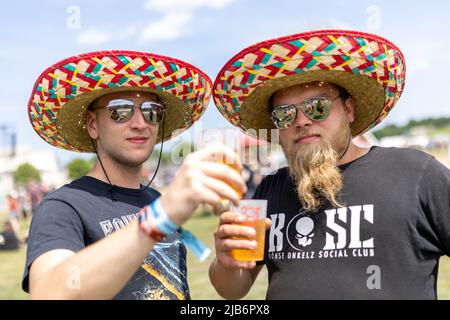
pixel 61 95
pixel 371 68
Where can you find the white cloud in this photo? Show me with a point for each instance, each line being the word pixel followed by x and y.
pixel 446 57
pixel 421 56
pixel 172 26
pixel 418 64
pixel 94 36
pixel 183 5
pixel 176 15
pixel 126 33
pixel 328 24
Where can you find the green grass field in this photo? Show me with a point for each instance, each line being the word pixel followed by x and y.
pixel 11 268
pixel 12 264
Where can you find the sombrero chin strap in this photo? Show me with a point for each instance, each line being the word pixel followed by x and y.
pixel 111 186
pixel 348 145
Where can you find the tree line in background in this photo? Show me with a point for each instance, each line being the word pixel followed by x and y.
pixel 394 130
pixel 26 173
pixel 78 167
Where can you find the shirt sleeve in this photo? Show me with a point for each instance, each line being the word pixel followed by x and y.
pixel 55 225
pixel 434 197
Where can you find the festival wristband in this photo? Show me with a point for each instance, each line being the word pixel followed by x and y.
pixel 162 220
pixel 147 226
pixel 166 226
pixel 197 247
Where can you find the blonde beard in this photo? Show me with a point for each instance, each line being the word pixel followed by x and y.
pixel 313 167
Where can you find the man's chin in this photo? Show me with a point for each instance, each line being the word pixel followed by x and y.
pixel 307 147
pixel 135 160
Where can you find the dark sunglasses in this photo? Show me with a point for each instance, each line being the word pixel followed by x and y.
pixel 121 110
pixel 317 109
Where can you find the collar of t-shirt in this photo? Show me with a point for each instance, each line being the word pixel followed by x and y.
pixel 95 185
pixel 344 166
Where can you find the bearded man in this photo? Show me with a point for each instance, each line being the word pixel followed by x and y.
pixel 345 222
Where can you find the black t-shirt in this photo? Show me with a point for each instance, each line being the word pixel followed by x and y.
pixel 385 244
pixel 83 212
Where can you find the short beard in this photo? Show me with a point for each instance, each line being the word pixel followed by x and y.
pixel 314 171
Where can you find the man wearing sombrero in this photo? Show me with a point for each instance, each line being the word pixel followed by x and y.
pixel 90 239
pixel 346 222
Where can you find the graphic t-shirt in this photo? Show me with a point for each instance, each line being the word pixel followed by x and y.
pixel 384 244
pixel 83 212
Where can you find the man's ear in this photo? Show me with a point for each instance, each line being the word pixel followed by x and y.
pixel 92 124
pixel 350 109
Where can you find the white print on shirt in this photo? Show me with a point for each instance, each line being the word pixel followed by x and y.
pixel 304 227
pixel 340 237
pixel 109 226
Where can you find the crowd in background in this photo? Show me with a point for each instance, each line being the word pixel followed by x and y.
pixel 21 203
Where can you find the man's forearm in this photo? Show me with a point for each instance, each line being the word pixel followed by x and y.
pixel 99 271
pixel 231 284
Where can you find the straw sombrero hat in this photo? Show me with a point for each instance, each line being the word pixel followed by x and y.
pixel 369 67
pixel 57 107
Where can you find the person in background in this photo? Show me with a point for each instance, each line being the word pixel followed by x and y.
pixel 8 238
pixel 12 204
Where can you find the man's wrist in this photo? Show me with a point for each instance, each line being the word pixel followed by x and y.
pixel 154 221
pixel 148 227
pixel 170 207
pixel 161 219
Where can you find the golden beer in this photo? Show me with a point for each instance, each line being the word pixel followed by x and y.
pixel 256 215
pixel 235 167
pixel 255 254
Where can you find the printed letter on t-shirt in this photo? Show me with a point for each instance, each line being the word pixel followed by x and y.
pixel 275 232
pixel 341 232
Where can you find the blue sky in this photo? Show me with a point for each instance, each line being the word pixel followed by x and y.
pixel 207 33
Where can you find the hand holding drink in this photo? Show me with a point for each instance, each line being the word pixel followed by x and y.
pixel 239 241
pixel 255 217
pixel 201 180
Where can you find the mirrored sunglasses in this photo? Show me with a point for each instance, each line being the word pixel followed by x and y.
pixel 121 110
pixel 316 109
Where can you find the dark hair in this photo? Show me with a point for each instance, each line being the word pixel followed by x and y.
pixel 270 102
pixel 343 93
pixel 91 105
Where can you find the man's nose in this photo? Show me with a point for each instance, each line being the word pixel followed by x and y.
pixel 137 120
pixel 301 120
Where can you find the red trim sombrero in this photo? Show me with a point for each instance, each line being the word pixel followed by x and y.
pixel 57 107
pixel 371 68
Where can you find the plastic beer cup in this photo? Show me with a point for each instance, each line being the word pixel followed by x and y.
pixel 255 213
